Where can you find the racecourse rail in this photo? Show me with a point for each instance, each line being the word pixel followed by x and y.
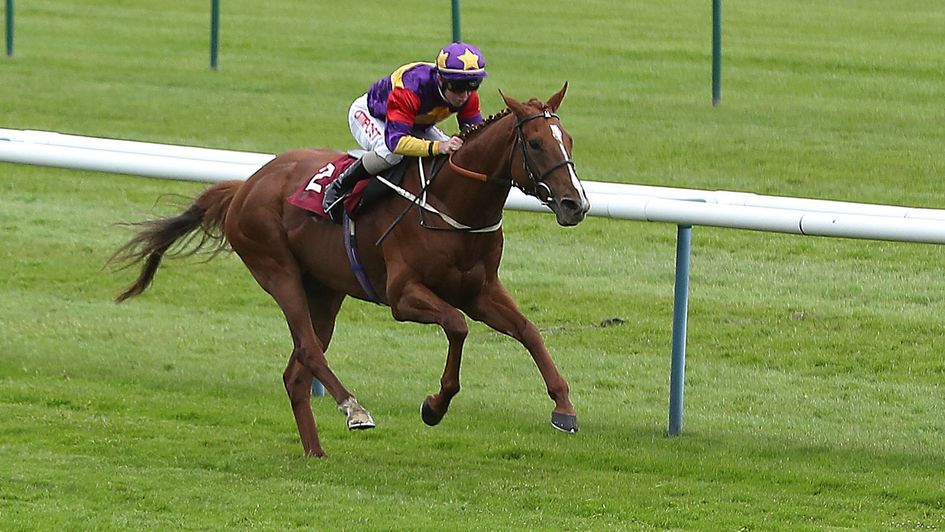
pixel 683 207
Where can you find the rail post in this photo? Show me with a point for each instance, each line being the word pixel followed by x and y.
pixel 677 372
pixel 9 19
pixel 456 20
pixel 716 52
pixel 214 32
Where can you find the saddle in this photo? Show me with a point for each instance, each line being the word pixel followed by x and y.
pixel 365 193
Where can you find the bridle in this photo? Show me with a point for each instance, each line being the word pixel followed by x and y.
pixel 536 187
pixel 536 180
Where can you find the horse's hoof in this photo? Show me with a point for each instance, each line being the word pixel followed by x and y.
pixel 564 422
pixel 427 414
pixel 361 423
pixel 357 417
pixel 360 419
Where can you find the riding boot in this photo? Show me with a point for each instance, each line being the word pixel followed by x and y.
pixel 333 202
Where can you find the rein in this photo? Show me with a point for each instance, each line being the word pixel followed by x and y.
pixel 478 176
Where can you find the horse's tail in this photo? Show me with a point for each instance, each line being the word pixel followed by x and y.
pixel 207 213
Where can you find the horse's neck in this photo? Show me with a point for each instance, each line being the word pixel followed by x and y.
pixel 475 202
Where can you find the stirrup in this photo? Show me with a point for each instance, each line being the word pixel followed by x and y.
pixel 335 211
pixel 333 200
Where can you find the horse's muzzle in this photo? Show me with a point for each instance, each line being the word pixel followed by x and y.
pixel 569 211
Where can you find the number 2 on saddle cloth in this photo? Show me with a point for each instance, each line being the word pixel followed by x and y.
pixel 309 196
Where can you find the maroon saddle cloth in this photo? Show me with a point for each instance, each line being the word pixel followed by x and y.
pixel 309 196
pixel 366 192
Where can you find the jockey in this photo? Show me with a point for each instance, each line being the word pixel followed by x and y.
pixel 398 115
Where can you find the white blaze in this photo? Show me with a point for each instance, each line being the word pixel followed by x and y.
pixel 556 133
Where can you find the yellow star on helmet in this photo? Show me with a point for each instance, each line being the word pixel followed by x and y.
pixel 441 59
pixel 470 60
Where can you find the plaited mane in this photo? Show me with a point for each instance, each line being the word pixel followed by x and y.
pixel 471 130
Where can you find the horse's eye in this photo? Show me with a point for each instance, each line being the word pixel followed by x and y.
pixel 534 144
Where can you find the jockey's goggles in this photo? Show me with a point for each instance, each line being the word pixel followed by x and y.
pixel 462 85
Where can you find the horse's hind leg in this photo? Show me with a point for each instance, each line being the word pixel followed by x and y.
pixel 283 281
pixel 296 378
pixel 324 304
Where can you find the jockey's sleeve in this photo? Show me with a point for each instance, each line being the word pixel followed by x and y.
pixel 402 106
pixel 470 114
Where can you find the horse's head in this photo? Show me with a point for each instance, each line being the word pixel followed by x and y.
pixel 545 150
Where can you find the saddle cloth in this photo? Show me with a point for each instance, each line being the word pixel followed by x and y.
pixel 310 195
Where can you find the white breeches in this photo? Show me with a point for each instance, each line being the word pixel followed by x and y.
pixel 368 131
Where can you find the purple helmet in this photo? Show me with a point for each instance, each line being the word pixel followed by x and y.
pixel 459 61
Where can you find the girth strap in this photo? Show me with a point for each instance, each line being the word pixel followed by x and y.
pixel 351 247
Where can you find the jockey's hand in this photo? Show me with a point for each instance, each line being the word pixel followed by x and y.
pixel 453 144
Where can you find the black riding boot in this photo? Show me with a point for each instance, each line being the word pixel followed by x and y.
pixel 336 191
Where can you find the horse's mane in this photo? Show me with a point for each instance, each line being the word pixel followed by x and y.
pixel 471 130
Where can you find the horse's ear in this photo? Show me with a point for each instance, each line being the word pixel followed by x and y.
pixel 513 104
pixel 555 101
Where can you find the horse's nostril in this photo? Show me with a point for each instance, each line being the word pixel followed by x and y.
pixel 570 205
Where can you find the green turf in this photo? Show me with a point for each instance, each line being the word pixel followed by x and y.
pixel 814 381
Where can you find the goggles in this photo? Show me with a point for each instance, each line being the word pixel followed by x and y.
pixel 462 85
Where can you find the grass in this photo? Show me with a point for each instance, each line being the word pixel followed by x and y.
pixel 814 379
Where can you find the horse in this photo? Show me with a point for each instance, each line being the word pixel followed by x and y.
pixel 424 269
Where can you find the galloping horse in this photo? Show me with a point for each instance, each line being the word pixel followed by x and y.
pixel 424 275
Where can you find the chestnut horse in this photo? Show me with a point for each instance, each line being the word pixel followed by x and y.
pixel 424 275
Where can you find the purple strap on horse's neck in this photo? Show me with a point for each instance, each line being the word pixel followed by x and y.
pixel 351 247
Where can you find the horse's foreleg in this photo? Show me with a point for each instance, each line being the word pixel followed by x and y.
pixel 417 303
pixel 495 308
